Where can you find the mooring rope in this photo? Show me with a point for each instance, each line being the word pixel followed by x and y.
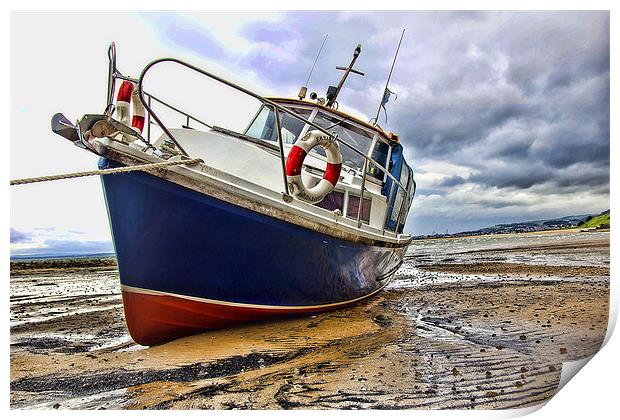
pixel 109 171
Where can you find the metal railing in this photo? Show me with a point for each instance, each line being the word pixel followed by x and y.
pixel 147 99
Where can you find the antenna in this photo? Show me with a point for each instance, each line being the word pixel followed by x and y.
pixel 316 59
pixel 383 98
pixel 304 88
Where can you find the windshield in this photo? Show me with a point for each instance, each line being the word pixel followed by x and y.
pixel 353 135
pixel 264 125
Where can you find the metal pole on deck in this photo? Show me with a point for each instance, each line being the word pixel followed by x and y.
pixel 148 122
pixel 359 208
pixel 389 76
pixel 287 197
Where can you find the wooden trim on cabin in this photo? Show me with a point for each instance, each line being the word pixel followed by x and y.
pixel 293 101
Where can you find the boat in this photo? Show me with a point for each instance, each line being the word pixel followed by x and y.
pixel 301 213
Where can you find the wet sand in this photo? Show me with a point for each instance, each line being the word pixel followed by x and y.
pixel 481 322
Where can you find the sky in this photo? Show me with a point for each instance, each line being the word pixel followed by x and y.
pixel 504 116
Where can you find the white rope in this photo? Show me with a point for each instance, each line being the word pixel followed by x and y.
pixel 109 171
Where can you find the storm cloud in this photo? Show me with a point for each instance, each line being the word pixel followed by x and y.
pixel 504 115
pixel 19 236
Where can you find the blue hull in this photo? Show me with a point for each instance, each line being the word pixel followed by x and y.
pixel 173 240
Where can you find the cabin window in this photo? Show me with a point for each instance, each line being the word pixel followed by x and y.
pixel 332 201
pixel 410 190
pixel 264 125
pixel 399 201
pixel 380 155
pixel 353 208
pixel 353 135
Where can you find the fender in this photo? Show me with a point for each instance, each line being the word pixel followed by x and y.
pixel 126 95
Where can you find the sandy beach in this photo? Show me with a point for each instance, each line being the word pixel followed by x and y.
pixel 472 323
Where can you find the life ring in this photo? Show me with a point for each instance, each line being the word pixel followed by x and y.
pixel 127 94
pixel 295 160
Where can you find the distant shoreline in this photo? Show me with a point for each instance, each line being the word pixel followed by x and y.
pixel 538 232
pixel 48 266
pixel 61 257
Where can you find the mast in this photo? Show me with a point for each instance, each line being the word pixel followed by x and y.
pixel 332 92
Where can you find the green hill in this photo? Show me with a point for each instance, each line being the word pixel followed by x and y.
pixel 596 221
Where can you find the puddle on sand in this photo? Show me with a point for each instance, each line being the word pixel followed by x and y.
pixel 537 248
pixel 112 400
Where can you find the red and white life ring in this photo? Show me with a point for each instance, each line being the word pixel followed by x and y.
pixel 126 94
pixel 295 160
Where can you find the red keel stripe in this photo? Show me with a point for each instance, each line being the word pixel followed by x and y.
pixel 137 122
pixel 155 319
pixel 124 92
pixel 295 160
pixel 332 173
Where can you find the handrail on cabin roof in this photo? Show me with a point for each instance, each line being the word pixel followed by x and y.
pixel 337 112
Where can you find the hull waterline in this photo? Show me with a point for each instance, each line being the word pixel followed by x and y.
pixel 155 317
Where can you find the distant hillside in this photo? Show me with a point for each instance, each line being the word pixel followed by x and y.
pixel 583 221
pixel 602 220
